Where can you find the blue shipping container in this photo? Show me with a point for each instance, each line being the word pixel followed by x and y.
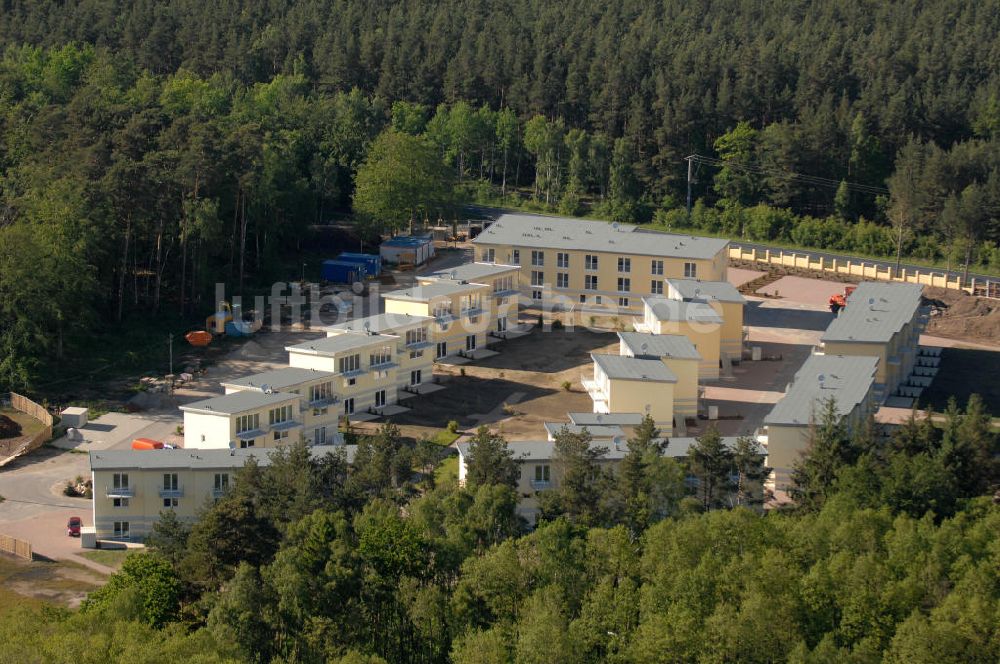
pixel 342 272
pixel 372 262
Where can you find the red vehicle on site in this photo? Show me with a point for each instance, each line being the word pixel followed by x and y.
pixel 73 526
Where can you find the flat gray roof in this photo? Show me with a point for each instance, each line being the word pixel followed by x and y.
pixel 544 450
pixel 634 368
pixel 472 271
pixel 278 379
pixel 239 402
pixel 695 289
pixel 875 311
pixel 339 343
pixel 379 324
pixel 183 459
pixel 648 345
pixel 521 230
pixel 596 430
pixel 845 378
pixel 666 309
pixel 621 419
pixel 427 292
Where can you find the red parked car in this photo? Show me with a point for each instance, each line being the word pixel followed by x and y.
pixel 73 527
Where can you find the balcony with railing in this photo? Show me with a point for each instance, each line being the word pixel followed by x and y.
pixel 172 492
pixel 539 485
pixel 119 491
pixel 596 391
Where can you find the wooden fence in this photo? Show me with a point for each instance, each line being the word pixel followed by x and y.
pixel 14 546
pixel 15 447
pixel 858 267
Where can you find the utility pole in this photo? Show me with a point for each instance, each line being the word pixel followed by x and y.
pixel 690 161
pixel 170 346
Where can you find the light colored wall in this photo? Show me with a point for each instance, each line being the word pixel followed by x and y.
pixel 205 431
pixel 144 507
pixel 706 337
pixel 731 336
pixel 607 273
pixel 686 388
pixel 365 384
pixel 456 331
pixel 632 396
pixel 785 445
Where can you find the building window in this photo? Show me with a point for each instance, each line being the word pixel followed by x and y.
pixel 656 287
pixel 349 406
pixel 416 377
pixel 624 284
pixel 441 309
pixel 624 264
pixel 121 530
pixel 597 299
pixel 690 270
pixel 502 324
pixel 562 260
pixel 590 262
pixel 489 255
pixel 562 280
pixel 350 363
pixel 246 423
pixel 350 382
pixel 583 298
pixel 623 302
pixel 319 436
pixel 119 481
pixel 417 336
pixel 119 502
pixel 515 257
pixel 381 356
pixel 221 481
pixel 656 268
pixel 414 354
pixel 279 415
pixel 170 482
pixel 247 443
pixel 442 349
pixel 590 282
pixel 281 435
pixel 321 392
pixel 470 342
pixel 380 399
pixel 170 502
pixel 542 473
pixel 536 295
pixel 538 258
pixel 537 278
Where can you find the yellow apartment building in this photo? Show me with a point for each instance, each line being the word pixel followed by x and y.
pixel 540 468
pixel 678 354
pixel 414 345
pixel 697 321
pixel 462 313
pixel 503 281
pixel 243 419
pixel 132 487
pixel 728 302
pixel 633 385
pixel 848 380
pixel 575 264
pixel 364 367
pixel 882 320
pixel 317 398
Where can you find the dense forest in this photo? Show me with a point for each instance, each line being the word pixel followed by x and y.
pixel 892 555
pixel 152 148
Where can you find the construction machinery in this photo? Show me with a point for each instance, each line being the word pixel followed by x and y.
pixel 839 300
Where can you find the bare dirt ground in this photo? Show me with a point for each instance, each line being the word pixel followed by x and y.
pixel 59 583
pixel 961 316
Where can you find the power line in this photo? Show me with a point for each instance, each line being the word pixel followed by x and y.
pixel 801 177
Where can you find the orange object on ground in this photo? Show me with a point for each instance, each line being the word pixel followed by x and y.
pixel 146 444
pixel 198 338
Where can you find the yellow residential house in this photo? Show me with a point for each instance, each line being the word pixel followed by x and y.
pixel 678 354
pixel 633 385
pixel 697 321
pixel 243 419
pixel 593 265
pixel 318 401
pixel 541 470
pixel 462 313
pixel 727 302
pixel 132 487
pixel 414 345
pixel 503 281
pixel 882 320
pixel 364 368
pixel 848 381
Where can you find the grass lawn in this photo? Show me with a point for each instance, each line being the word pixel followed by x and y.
pixel 444 438
pixel 112 558
pixel 29 425
pixel 447 472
